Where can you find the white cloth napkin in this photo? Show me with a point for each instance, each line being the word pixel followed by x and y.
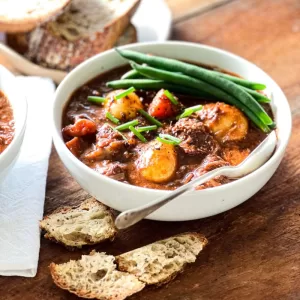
pixel 22 193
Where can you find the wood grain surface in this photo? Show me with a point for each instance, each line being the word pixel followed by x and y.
pixel 254 249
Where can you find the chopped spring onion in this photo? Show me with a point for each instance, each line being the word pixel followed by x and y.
pixel 150 118
pixel 96 99
pixel 112 118
pixel 146 128
pixel 114 129
pixel 189 111
pixel 125 93
pixel 169 139
pixel 137 134
pixel 126 125
pixel 171 97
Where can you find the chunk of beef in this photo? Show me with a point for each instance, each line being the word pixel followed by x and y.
pixel 210 163
pixel 115 170
pixel 109 144
pixel 196 140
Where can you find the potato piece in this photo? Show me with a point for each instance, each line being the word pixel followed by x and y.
pixel 226 122
pixel 125 108
pixel 234 155
pixel 158 163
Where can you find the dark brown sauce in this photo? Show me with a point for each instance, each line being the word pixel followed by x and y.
pixel 6 123
pixel 122 166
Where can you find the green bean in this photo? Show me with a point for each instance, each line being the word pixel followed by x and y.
pixel 151 60
pixel 257 96
pixel 188 81
pixel 241 81
pixel 150 84
pixel 131 74
pixel 173 65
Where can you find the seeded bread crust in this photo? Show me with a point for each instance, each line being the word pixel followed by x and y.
pixel 72 38
pixel 154 267
pixel 89 223
pixel 28 15
pixel 95 276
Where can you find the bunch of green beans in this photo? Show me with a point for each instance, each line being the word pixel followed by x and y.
pixel 187 78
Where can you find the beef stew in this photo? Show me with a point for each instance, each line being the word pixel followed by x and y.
pixel 162 155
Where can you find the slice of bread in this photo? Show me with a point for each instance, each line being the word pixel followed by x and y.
pixel 95 276
pixel 160 262
pixel 22 16
pixel 87 28
pixel 87 224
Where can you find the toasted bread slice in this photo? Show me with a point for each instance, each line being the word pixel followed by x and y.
pixel 160 262
pixel 95 276
pixel 22 16
pixel 87 224
pixel 87 28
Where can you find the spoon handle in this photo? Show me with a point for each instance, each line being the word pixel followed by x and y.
pixel 132 216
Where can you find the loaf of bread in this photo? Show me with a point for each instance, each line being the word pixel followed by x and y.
pixel 95 276
pixel 87 224
pixel 88 27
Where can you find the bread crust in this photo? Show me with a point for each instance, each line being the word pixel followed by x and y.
pixel 31 20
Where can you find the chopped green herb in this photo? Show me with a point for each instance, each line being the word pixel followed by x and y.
pixel 112 118
pixel 125 93
pixel 96 99
pixel 150 118
pixel 170 138
pixel 137 134
pixel 146 128
pixel 171 97
pixel 126 125
pixel 189 111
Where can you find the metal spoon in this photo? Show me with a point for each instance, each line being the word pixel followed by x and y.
pixel 256 159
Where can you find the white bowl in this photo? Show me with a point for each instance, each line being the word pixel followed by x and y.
pixel 8 86
pixel 193 205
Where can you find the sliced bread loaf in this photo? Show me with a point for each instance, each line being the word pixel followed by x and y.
pixel 95 276
pixel 87 224
pixel 87 28
pixel 22 16
pixel 160 262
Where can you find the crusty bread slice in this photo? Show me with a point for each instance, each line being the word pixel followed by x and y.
pixel 24 15
pixel 95 276
pixel 160 262
pixel 87 28
pixel 87 224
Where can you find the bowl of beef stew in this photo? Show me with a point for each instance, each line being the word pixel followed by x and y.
pixel 13 111
pixel 134 123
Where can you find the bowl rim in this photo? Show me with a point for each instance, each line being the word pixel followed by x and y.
pixel 58 140
pixel 19 132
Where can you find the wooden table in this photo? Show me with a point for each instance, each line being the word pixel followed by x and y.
pixel 254 249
